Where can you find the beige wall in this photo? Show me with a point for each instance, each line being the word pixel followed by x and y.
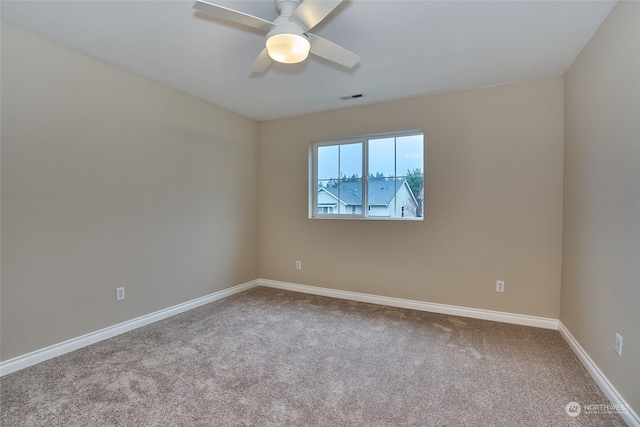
pixel 493 202
pixel 601 235
pixel 109 179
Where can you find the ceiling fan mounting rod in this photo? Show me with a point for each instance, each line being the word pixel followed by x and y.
pixel 287 7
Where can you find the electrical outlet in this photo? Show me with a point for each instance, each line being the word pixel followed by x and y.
pixel 119 294
pixel 500 286
pixel 298 265
pixel 618 346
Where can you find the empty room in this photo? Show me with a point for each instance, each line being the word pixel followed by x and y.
pixel 320 213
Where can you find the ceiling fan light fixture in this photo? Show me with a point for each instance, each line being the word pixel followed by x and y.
pixel 288 48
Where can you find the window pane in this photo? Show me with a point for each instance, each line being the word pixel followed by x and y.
pixel 382 157
pixel 394 198
pixel 340 197
pixel 416 185
pixel 409 162
pixel 340 193
pixel 328 162
pixel 409 155
pixel 328 196
pixel 406 205
pixel 351 161
pixel 350 195
pixel 381 193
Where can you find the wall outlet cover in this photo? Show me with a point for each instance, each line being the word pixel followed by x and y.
pixel 618 345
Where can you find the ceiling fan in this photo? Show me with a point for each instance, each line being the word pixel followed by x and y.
pixel 288 39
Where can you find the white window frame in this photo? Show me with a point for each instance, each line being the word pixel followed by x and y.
pixel 364 140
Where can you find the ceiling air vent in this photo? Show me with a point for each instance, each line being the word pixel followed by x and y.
pixel 357 95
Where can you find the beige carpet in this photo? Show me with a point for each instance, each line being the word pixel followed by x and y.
pixel 270 358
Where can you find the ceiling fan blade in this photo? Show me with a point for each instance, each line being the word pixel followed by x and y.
pixel 262 62
pixel 311 12
pixel 331 51
pixel 234 15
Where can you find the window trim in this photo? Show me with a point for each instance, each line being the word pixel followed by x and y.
pixel 364 140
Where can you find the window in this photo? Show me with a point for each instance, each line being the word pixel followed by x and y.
pixel 370 177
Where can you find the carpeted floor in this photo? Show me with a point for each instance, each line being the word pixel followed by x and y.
pixel 271 358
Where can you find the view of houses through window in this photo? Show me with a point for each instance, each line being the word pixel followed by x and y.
pixel 392 166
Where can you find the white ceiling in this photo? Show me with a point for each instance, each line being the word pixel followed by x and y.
pixel 408 48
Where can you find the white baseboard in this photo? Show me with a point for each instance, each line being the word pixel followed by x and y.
pixel 30 359
pixel 629 416
pixel 475 313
